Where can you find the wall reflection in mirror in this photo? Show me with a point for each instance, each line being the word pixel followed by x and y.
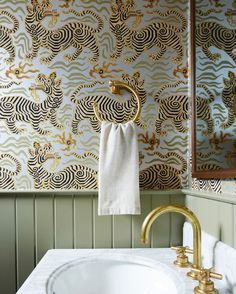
pixel 215 85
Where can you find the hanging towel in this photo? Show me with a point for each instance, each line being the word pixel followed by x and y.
pixel 118 182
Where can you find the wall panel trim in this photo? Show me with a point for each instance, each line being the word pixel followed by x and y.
pixel 222 197
pixel 85 192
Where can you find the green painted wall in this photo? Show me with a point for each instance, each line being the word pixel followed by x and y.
pixel 216 213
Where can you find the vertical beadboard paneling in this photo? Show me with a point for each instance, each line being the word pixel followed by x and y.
pixel 205 212
pixel 25 237
pixel 208 215
pixel 161 226
pixel 63 218
pixel 83 221
pixel 103 229
pixel 7 244
pixel 216 217
pixel 69 220
pixel 176 221
pixel 226 224
pixel 137 220
pixel 122 231
pixel 189 202
pixel 44 224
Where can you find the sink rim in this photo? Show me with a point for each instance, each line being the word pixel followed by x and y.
pixel 175 276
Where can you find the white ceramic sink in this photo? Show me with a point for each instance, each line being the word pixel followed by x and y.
pixel 114 274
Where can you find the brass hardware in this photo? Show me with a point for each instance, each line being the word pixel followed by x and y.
pixel 182 258
pixel 154 214
pixel 206 286
pixel 115 87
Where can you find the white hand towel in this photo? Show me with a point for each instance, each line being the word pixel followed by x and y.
pixel 118 170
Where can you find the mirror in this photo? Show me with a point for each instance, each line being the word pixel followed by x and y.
pixel 213 79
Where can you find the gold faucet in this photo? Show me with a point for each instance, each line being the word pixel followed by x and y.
pixel 154 214
pixel 206 286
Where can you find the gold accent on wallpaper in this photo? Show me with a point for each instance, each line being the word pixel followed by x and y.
pixel 161 35
pixel 67 140
pixel 105 70
pixel 6 41
pixel 20 71
pixel 215 63
pixel 152 3
pixel 56 59
pixel 152 142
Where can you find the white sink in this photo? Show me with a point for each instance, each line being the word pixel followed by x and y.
pixel 114 274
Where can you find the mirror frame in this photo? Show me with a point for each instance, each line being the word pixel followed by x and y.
pixel 210 174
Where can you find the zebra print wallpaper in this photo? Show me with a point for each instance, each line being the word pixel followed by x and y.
pixel 56 58
pixel 215 67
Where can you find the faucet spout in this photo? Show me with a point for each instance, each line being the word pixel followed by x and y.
pixel 154 214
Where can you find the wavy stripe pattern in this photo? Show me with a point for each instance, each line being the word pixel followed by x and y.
pixel 32 133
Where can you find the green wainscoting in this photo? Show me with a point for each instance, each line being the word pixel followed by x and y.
pixel 30 224
pixel 216 213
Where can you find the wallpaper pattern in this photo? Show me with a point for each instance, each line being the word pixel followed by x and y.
pixel 215 67
pixel 56 58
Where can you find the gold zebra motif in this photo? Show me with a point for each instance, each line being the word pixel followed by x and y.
pixel 17 108
pixel 160 34
pixel 229 100
pixel 163 176
pixel 6 40
pixel 75 176
pixel 212 34
pixel 173 107
pixel 203 110
pixel 6 176
pixel 75 34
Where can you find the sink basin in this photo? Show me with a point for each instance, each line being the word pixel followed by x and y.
pixel 114 274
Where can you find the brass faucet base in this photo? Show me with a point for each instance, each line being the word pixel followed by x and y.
pixel 182 263
pixel 206 286
pixel 182 258
pixel 197 290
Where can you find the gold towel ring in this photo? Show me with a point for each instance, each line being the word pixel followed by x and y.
pixel 115 87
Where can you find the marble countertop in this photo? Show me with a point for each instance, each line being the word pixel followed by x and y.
pixel 35 283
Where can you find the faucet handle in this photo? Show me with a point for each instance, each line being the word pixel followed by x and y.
pixel 182 258
pixel 206 286
pixel 180 249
